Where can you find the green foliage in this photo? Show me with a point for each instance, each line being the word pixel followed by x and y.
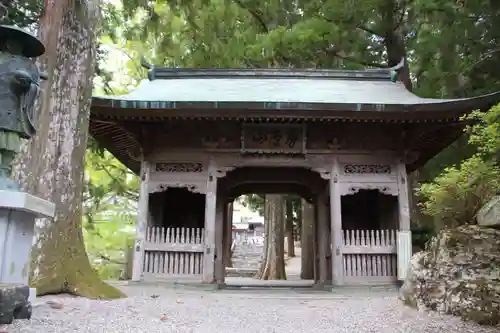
pixel 422 234
pixel 455 197
pixel 485 134
pixel 255 202
pixel 23 13
pixel 110 198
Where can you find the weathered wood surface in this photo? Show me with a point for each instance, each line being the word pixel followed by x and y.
pixel 173 252
pixel 369 256
pixel 336 224
pixel 210 225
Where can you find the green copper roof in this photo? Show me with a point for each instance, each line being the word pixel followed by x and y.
pixel 367 90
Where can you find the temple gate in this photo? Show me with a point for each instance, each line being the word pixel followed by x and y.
pixel 343 140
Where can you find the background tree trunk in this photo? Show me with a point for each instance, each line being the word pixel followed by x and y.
pixel 51 165
pixel 289 227
pixel 228 236
pixel 307 242
pixel 273 265
pixel 267 234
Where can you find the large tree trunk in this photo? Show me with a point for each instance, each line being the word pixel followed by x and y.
pixel 51 165
pixel 273 265
pixel 289 227
pixel 307 242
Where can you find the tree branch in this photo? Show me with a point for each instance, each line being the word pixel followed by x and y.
pixel 260 21
pixel 339 53
pixel 108 259
pixel 486 56
pixel 123 190
pixel 368 30
pixel 359 26
pixel 255 15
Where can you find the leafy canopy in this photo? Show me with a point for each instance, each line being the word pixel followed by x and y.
pixel 455 197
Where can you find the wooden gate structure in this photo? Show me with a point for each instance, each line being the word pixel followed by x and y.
pixel 343 140
pixel 173 252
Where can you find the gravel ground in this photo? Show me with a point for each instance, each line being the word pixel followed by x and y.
pixel 155 309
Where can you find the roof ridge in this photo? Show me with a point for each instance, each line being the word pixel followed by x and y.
pixel 155 73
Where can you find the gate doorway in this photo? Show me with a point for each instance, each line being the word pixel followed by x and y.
pixel 247 253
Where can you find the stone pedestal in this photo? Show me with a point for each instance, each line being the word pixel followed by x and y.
pixel 18 212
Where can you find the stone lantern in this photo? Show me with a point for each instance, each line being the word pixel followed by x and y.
pixel 19 88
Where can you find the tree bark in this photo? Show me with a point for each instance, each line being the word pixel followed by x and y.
pixel 289 227
pixel 51 165
pixel 273 265
pixel 228 236
pixel 299 220
pixel 307 242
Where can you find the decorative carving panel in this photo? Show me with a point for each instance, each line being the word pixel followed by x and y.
pixel 377 169
pixel 179 167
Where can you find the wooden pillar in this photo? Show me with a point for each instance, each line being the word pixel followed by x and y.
pixel 323 237
pixel 315 241
pixel 220 271
pixel 336 225
pixel 404 245
pixel 210 226
pixel 141 223
pixel 403 199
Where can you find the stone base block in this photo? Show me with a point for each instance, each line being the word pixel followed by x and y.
pixel 14 303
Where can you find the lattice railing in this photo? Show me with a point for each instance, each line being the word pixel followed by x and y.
pixel 173 251
pixel 369 256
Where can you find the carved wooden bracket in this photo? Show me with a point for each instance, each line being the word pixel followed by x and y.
pixel 221 172
pixel 323 173
pixel 163 186
pixel 353 188
pixel 135 153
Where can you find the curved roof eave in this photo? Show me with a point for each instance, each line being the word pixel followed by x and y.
pixel 427 104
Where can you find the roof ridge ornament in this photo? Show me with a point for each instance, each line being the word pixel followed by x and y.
pixel 150 67
pixel 394 70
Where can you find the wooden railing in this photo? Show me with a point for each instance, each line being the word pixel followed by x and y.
pixel 173 252
pixel 370 256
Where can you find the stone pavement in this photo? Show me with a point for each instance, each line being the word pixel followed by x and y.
pixel 157 309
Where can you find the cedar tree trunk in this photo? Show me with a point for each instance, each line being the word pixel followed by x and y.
pixel 228 236
pixel 51 165
pixel 289 227
pixel 273 265
pixel 307 242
